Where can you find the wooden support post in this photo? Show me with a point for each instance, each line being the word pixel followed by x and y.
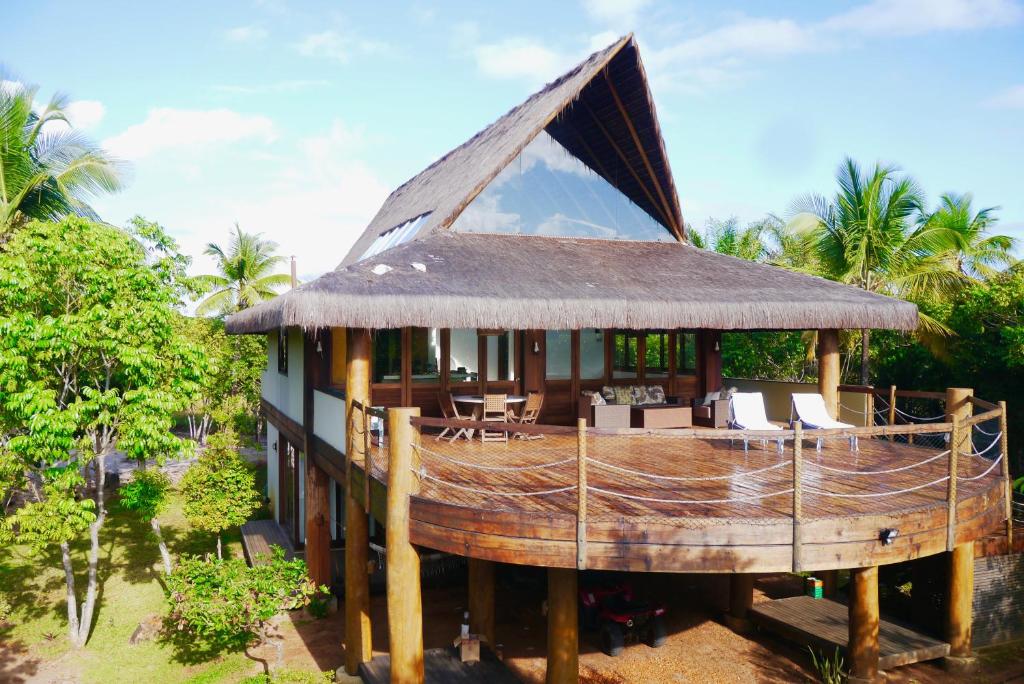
pixel 358 644
pixel 892 405
pixel 954 440
pixel 959 618
pixel 869 409
pixel 741 597
pixel 709 360
pixel 581 493
pixel 563 627
pixel 862 649
pixel 829 583
pixel 318 483
pixel 481 600
pixel 798 466
pixel 1004 449
pixel 828 369
pixel 405 604
pixel 959 407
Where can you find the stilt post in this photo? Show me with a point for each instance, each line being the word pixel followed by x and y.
pixel 863 624
pixel 358 644
pixel 481 600
pixel 405 603
pixel 959 617
pixel 563 627
pixel 741 598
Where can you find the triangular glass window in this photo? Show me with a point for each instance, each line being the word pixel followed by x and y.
pixel 548 191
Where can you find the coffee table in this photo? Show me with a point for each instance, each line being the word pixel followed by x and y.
pixel 660 416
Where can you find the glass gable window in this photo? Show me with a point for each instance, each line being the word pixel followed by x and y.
pixel 558 350
pixel 464 356
pixel 387 356
pixel 624 354
pixel 592 354
pixel 426 355
pixel 395 236
pixel 548 191
pixel 656 355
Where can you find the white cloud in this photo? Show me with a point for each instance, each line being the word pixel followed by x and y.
pixel 182 129
pixel 1010 98
pixel 602 40
pixel 85 114
pixel 331 44
pixel 617 13
pixel 519 58
pixel 245 34
pixel 747 37
pixel 289 86
pixel 916 17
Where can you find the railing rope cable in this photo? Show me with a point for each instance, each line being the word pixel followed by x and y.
pixel 988 470
pixel 877 472
pixel 688 479
pixel 987 433
pixel 870 495
pixel 913 417
pixel 635 497
pixel 476 490
pixel 997 437
pixel 504 469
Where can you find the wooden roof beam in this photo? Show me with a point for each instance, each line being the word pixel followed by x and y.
pixel 643 155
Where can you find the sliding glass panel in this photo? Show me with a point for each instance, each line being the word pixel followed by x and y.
pixel 500 357
pixel 426 355
pixel 464 362
pixel 624 354
pixel 592 354
pixel 656 355
pixel 387 355
pixel 548 191
pixel 686 353
pixel 558 345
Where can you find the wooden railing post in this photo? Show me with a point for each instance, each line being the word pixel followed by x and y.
pixel 959 406
pixel 798 436
pixel 581 493
pixel 405 603
pixel 367 460
pixel 1004 448
pixel 869 409
pixel 954 440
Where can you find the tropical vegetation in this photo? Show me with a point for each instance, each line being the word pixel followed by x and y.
pixel 245 273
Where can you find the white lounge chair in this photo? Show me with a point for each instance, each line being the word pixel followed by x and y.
pixel 746 412
pixel 810 410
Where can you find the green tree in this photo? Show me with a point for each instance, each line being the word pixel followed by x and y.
pixel 88 361
pixel 867 235
pixel 47 170
pixel 976 252
pixel 246 274
pixel 147 494
pixel 220 488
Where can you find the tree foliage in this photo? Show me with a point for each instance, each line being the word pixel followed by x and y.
pixel 246 273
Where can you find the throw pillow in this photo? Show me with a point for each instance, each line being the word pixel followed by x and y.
pixel 623 395
pixel 595 398
pixel 608 393
pixel 655 394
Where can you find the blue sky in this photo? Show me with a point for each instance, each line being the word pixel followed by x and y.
pixel 297 118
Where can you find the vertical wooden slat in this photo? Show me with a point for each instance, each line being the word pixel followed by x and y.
pixel 581 493
pixel 954 440
pixel 405 602
pixel 1004 449
pixel 798 436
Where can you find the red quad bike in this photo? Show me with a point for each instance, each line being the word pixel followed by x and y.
pixel 609 607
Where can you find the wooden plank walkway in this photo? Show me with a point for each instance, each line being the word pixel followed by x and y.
pixel 259 535
pixel 441 666
pixel 823 624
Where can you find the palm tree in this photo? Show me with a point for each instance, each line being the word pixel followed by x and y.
pixel 867 236
pixel 977 254
pixel 246 273
pixel 46 171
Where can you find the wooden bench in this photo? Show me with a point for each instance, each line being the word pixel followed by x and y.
pixel 257 538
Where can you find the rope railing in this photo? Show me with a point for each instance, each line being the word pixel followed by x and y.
pixel 998 436
pixel 996 461
pixel 843 471
pixel 502 469
pixel 709 478
pixel 636 497
pixel 493 492
pixel 869 495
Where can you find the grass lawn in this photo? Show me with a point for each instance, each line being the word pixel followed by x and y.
pixel 130 591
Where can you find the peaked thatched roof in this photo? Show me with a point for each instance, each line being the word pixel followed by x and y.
pixel 464 280
pixel 580 104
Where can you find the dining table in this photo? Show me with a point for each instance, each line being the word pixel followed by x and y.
pixel 477 402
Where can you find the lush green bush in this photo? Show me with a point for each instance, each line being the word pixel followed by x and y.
pixel 291 677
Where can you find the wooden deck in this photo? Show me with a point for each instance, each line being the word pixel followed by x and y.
pixel 257 538
pixel 726 510
pixel 441 666
pixel 823 625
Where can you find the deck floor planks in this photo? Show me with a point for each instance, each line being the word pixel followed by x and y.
pixel 259 535
pixel 823 624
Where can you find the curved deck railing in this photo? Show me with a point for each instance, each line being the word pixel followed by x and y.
pixel 578 493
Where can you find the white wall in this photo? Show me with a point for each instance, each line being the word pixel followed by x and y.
pixel 329 419
pixel 777 398
pixel 273 488
pixel 284 391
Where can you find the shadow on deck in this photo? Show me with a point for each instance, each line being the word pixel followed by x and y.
pixel 443 667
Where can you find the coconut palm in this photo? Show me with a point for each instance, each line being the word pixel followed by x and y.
pixel 47 170
pixel 868 235
pixel 246 273
pixel 977 254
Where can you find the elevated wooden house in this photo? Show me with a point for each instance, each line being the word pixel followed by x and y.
pixel 548 254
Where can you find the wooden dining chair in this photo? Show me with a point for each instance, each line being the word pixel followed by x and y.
pixel 530 414
pixel 450 411
pixel 495 410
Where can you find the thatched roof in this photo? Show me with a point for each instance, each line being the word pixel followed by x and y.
pixel 465 280
pixel 579 105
